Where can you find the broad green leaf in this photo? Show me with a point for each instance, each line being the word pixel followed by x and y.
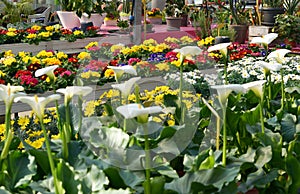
pixel 45 186
pixel 114 177
pixel 258 179
pixel 288 128
pixel 263 155
pixel 132 179
pixel 74 116
pixel 209 162
pixel 21 168
pixel 66 174
pixel 95 179
pixel 251 116
pixel 293 170
pixel 217 176
pixel 181 185
pixel 41 159
pixel 167 170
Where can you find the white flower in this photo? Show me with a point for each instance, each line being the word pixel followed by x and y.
pixel 256 87
pixel 130 111
pixel 222 47
pixel 224 91
pixel 269 66
pixel 71 91
pixel 189 50
pixel 9 93
pixel 125 88
pixel 265 40
pixel 38 104
pixel 120 70
pixel 278 55
pixel 49 71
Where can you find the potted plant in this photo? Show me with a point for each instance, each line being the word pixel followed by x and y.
pixel 173 14
pixel 112 13
pixel 91 12
pixel 155 16
pixel 202 20
pixel 123 25
pixel 15 12
pixel 288 28
pixel 124 9
pixel 271 8
pixel 240 18
pixel 185 15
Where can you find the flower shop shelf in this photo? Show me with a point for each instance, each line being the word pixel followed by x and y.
pixel 148 83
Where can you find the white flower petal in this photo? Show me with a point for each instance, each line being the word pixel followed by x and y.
pixel 126 87
pixel 49 71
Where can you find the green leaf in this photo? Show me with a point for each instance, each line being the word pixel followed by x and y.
pixel 132 179
pixel 209 162
pixel 181 185
pixel 288 127
pixel 157 184
pixel 66 174
pixel 74 116
pixel 95 179
pixel 113 191
pixel 258 179
pixel 20 169
pixel 263 155
pixel 41 159
pixel 293 169
pixel 251 116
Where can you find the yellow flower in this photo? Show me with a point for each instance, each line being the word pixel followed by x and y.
pixel 31 36
pixel 23 122
pixel 116 47
pixel 44 53
pixel 85 75
pixel 176 63
pixel 90 108
pixel 171 122
pixel 37 143
pixel 109 73
pixel 2 74
pixel 2 129
pixel 84 55
pixel 45 34
pixel 162 67
pixel 35 133
pixel 51 61
pixel 46 120
pixel 91 44
pixel 11 29
pixel 9 53
pixel 186 39
pixel 78 32
pixel 49 28
pixel 36 27
pixel 150 41
pixel 61 55
pixel 35 60
pixel 23 54
pixel 11 34
pixel 124 51
pixel 9 61
pixel 171 39
pixel 95 74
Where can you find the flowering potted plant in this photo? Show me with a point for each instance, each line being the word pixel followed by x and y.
pixel 271 8
pixel 112 14
pixel 155 16
pixel 173 14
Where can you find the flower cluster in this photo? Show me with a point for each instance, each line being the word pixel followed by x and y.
pixel 154 12
pixel 36 33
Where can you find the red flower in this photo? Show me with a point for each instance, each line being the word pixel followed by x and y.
pixel 28 80
pixel 2 81
pixel 72 60
pixel 22 72
pixel 59 71
pixel 33 67
pixel 171 56
pixel 114 62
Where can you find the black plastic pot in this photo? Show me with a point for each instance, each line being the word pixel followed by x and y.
pixel 221 39
pixel 269 14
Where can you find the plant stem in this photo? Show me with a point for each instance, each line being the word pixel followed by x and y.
pixel 224 137
pixel 218 133
pixel 180 94
pixel 262 116
pixel 147 184
pixel 282 90
pixel 51 162
pixel 225 70
pixel 9 134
